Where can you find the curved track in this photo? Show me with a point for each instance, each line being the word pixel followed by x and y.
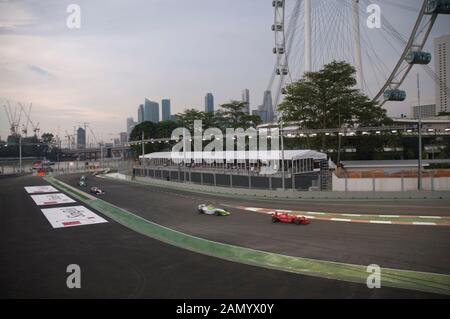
pixel 421 248
pixel 119 263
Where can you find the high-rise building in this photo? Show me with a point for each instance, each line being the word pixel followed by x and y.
pixel 130 125
pixel 141 114
pixel 123 137
pixel 81 138
pixel 265 111
pixel 151 111
pixel 424 111
pixel 246 100
pixel 209 103
pixel 165 108
pixel 442 63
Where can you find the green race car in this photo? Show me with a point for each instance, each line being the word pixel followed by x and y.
pixel 212 210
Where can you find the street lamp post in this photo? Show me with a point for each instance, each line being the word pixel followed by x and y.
pixel 20 154
pixel 419 169
pixel 143 148
pixel 283 185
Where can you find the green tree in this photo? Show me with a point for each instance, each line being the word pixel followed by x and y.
pixel 47 138
pixel 234 115
pixel 152 131
pixel 329 99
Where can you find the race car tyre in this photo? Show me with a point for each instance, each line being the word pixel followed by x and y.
pixel 274 220
pixel 297 222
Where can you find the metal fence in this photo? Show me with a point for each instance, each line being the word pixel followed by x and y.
pixel 232 178
pixel 27 167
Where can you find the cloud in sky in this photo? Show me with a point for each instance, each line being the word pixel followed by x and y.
pixel 40 71
pixel 128 50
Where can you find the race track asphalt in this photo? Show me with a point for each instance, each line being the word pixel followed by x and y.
pixel 119 263
pixel 420 248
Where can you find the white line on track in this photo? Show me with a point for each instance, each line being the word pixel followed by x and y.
pixel 340 220
pixel 423 223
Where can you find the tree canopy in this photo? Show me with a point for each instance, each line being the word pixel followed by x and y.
pixel 329 99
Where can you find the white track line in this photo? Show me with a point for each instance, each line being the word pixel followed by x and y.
pixel 340 220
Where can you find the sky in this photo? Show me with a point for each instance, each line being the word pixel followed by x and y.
pixel 126 51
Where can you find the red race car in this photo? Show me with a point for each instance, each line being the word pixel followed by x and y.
pixel 289 219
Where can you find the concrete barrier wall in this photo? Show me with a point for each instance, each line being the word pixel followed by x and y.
pixel 389 184
pixel 292 194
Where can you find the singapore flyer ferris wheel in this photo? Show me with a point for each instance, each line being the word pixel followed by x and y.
pixel 311 33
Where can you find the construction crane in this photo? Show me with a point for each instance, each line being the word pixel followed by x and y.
pixel 70 140
pixel 13 119
pixel 94 137
pixel 25 126
pixel 35 127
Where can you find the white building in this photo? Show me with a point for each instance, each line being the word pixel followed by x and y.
pixel 424 111
pixel 442 63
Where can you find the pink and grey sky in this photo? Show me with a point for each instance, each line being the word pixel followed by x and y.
pixel 128 50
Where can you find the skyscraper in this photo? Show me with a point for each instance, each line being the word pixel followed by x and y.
pixel 123 136
pixel 246 100
pixel 141 114
pixel 209 103
pixel 130 125
pixel 442 63
pixel 165 108
pixel 81 138
pixel 151 111
pixel 265 111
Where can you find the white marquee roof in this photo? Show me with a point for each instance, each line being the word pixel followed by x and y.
pixel 238 155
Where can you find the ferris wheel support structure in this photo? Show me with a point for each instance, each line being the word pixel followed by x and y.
pixel 308 37
pixel 357 44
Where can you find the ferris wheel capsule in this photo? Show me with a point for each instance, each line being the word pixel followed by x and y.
pixel 438 6
pixel 277 3
pixel 395 95
pixel 417 57
pixel 277 27
pixel 282 71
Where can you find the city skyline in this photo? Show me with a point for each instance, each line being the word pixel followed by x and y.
pixel 65 73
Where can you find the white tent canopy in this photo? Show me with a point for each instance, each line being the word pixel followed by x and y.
pixel 252 156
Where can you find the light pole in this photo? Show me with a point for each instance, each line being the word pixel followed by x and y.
pixel 101 155
pixel 20 154
pixel 419 169
pixel 142 146
pixel 282 157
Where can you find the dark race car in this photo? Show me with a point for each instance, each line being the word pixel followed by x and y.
pixel 97 191
pixel 82 182
pixel 289 219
